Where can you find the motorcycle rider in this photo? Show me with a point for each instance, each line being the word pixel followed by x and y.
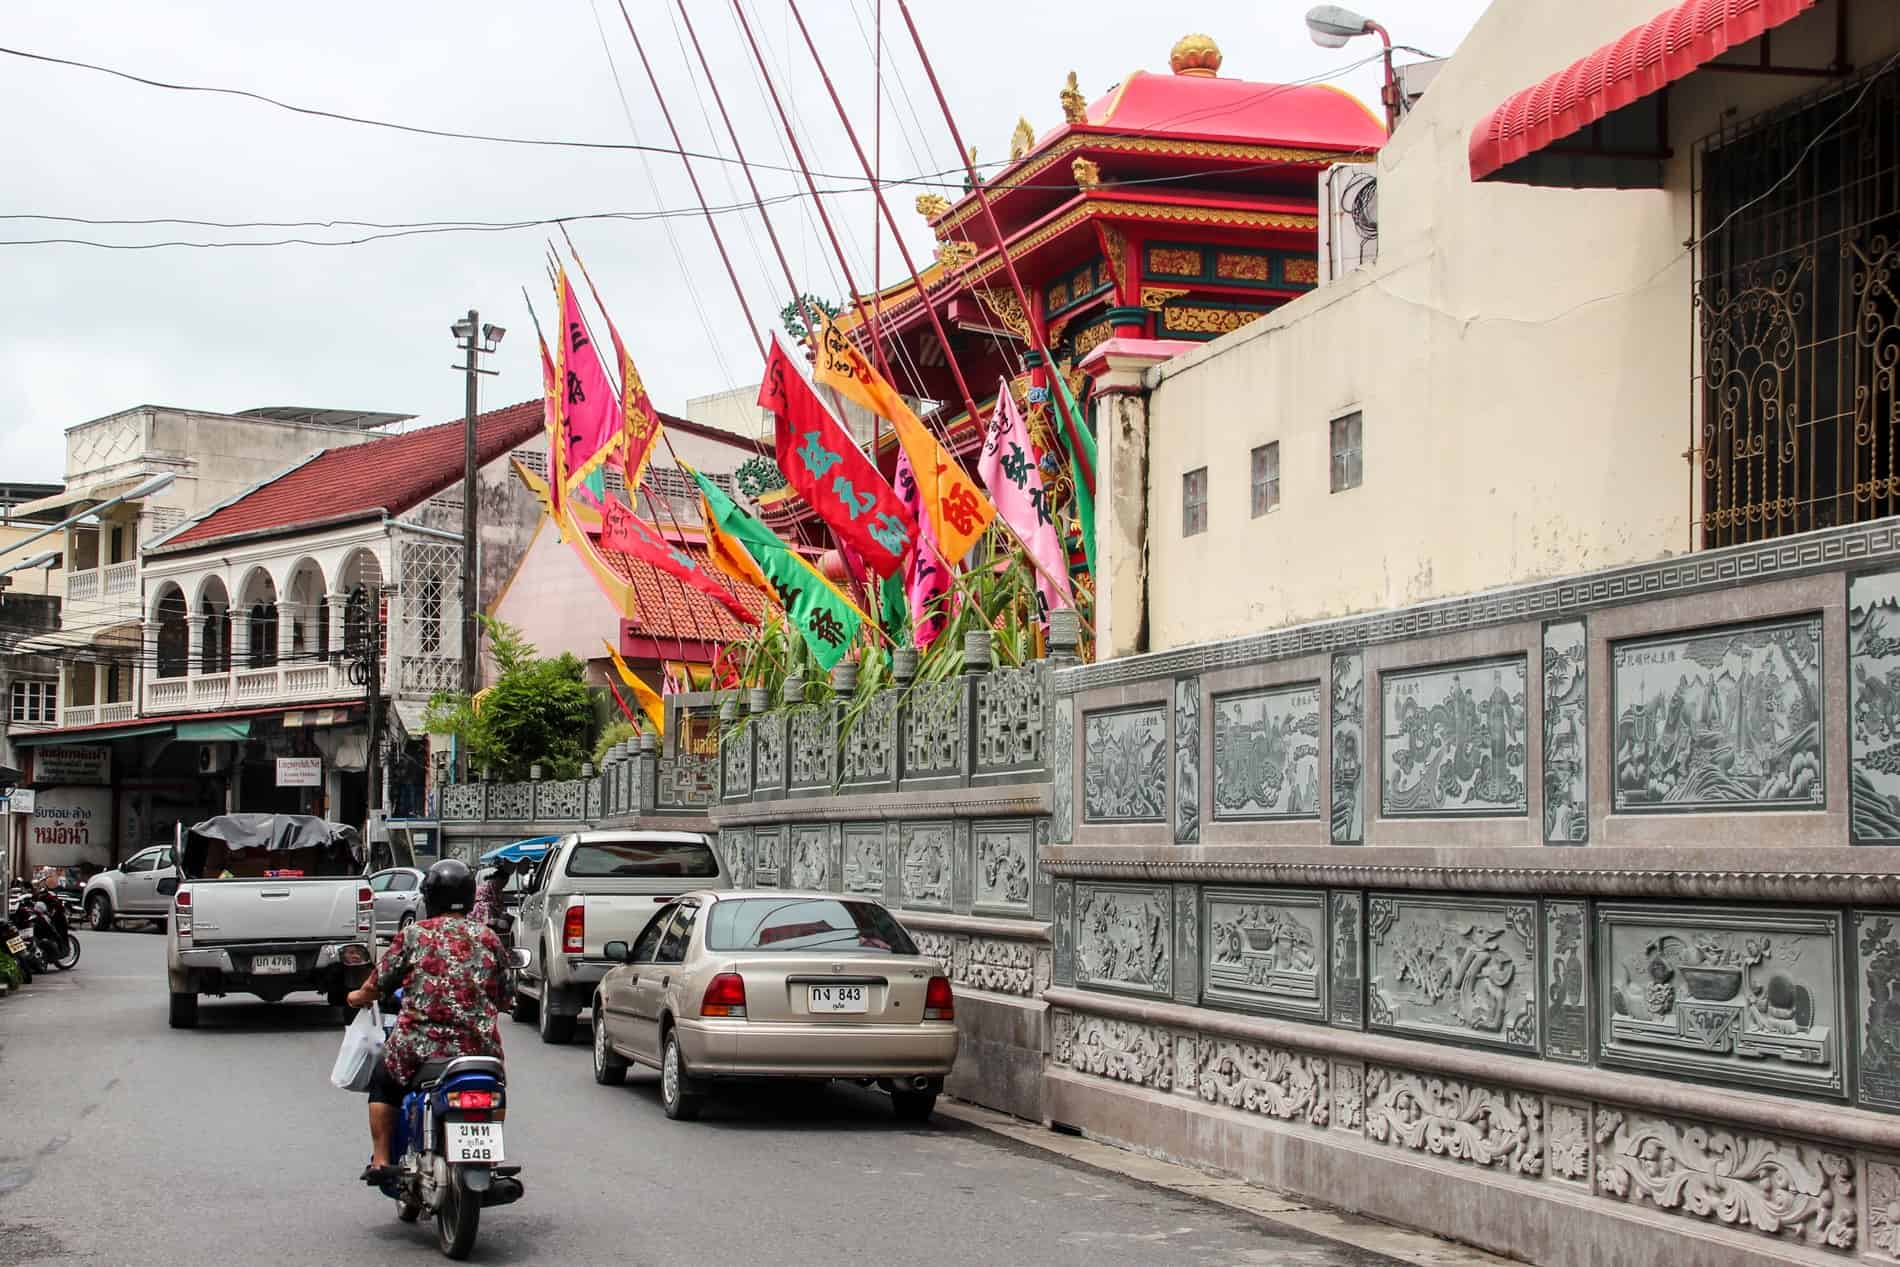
pixel 450 971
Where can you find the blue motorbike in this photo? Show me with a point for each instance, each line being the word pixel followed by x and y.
pixel 450 1157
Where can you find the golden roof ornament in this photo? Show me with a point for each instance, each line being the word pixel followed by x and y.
pixel 1196 55
pixel 930 206
pixel 1087 175
pixel 1074 108
pixel 955 254
pixel 1022 140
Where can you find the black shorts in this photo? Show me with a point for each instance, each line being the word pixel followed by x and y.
pixel 386 1088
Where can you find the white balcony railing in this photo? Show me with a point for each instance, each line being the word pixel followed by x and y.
pixel 247 688
pixel 81 714
pixel 210 691
pixel 168 693
pixel 82 587
pixel 122 579
pixel 123 711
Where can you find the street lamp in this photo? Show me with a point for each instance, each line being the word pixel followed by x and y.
pixel 473 349
pixel 1332 25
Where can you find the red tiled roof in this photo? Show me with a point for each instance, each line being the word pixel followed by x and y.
pixel 669 609
pixel 388 475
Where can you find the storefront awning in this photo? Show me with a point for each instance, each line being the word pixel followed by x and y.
pixel 214 731
pixel 87 734
pixel 1527 139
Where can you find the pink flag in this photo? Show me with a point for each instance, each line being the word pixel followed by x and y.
pixel 927 581
pixel 1008 465
pixel 590 406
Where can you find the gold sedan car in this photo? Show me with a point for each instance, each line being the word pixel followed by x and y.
pixel 771 984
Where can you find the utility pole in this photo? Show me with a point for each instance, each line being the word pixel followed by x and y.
pixel 465 332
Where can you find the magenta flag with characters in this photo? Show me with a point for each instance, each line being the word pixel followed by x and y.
pixel 1008 465
pixel 927 579
pixel 589 403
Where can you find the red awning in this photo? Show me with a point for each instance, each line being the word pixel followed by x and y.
pixel 1644 61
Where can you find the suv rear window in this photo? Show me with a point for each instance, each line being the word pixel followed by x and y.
pixel 643 859
pixel 771 923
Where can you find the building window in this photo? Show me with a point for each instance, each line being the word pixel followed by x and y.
pixel 1266 478
pixel 1348 455
pixel 1194 502
pixel 429 636
pixel 34 700
pixel 118 544
pixel 174 637
pixel 263 651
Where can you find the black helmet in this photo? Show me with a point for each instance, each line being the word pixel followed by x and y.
pixel 449 887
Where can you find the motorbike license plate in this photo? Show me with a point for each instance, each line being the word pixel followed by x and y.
pixel 836 998
pixel 273 965
pixel 17 945
pixel 478 1142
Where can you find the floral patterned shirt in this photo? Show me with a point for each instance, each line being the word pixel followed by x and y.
pixel 450 972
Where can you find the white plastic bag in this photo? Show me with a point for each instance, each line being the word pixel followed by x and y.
pixel 362 1048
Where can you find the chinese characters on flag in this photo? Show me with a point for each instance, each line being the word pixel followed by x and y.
pixel 1008 465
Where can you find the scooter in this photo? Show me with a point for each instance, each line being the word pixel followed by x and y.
pixel 449 1145
pixel 42 921
pixel 25 957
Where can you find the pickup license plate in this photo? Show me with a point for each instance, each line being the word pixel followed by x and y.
pixel 17 945
pixel 836 998
pixel 273 965
pixel 478 1142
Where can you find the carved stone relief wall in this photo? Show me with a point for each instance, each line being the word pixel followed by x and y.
pixel 1005 866
pixel 1010 717
pixel 1347 808
pixel 809 859
pixel 768 752
pixel 1877 968
pixel 766 857
pixel 1346 960
pixel 1266 754
pixel 1124 937
pixel 870 748
pixel 1470 1122
pixel 1064 932
pixel 1122 1051
pixel 735 755
pixel 1062 772
pixel 1463 969
pixel 1187 761
pixel 1730 994
pixel 1266 949
pixel 1453 740
pixel 924 864
pixel 1873 653
pixel 864 859
pixel 1720 719
pixel 809 746
pixel 1124 765
pixel 1257 1078
pixel 1567 1141
pixel 1566 735
pixel 934 728
pixel 1567 992
pixel 738 857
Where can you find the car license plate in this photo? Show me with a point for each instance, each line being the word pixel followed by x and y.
pixel 273 965
pixel 836 998
pixel 17 945
pixel 473 1142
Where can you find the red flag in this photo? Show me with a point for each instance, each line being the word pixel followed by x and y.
pixel 829 470
pixel 639 420
pixel 626 532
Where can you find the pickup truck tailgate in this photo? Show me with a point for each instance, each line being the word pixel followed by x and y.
pixel 616 916
pixel 301 909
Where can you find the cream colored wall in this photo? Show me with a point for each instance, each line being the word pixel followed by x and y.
pixel 1522 358
pixel 30 580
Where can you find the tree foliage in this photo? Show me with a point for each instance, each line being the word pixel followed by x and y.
pixel 538 712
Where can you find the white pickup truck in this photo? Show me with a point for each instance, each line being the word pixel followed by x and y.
pixel 270 905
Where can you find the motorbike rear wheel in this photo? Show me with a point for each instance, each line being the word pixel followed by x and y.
pixel 69 960
pixel 458 1213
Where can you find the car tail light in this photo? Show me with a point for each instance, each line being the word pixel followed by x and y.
pixel 183 900
pixel 365 907
pixel 574 930
pixel 725 996
pixel 939 1003
pixel 181 914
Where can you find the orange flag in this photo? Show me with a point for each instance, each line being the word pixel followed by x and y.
pixel 953 502
pixel 643 694
pixel 728 555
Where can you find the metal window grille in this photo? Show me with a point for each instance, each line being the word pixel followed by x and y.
pixel 429 581
pixel 1266 478
pixel 1348 449
pixel 1194 502
pixel 1798 315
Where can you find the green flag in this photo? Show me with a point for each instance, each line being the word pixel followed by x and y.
pixel 895 604
pixel 828 620
pixel 1074 434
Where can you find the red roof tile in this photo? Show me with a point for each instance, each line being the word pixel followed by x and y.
pixel 389 475
pixel 670 609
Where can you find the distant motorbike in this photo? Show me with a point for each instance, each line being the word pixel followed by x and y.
pixel 25 956
pixel 41 920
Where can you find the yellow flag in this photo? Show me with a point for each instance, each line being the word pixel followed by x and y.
pixel 728 555
pixel 952 501
pixel 649 702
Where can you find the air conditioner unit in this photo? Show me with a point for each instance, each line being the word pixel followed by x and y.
pixel 1348 219
pixel 213 758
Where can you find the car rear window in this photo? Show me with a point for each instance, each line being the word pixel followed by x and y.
pixel 773 923
pixel 641 859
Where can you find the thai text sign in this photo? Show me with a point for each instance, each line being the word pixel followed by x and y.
pixel 72 763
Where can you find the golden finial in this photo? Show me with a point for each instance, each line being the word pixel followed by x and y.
pixel 1074 108
pixel 1022 140
pixel 955 254
pixel 930 206
pixel 1195 55
pixel 1087 175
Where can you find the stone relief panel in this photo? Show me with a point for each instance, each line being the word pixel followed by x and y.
pixel 1005 866
pixel 1567 992
pixel 933 729
pixel 809 858
pixel 946 948
pixel 809 746
pixel 1266 950
pixel 1256 1078
pixel 1720 719
pixel 1568 1141
pixel 1349 1096
pixel 769 753
pixel 738 863
pixel 924 865
pixel 870 750
pixel 1453 742
pixel 1566 735
pixel 1006 967
pixel 1062 772
pixel 1124 936
pixel 765 857
pixel 1187 944
pixel 1883 1208
pixel 1873 686
pixel 1266 754
pixel 864 859
pixel 735 755
pixel 1187 761
pixel 1009 716
pixel 1348 807
pixel 1453 968
pixel 1788 1189
pixel 1124 770
pixel 1346 971
pixel 1733 995
pixel 1063 930
pixel 1490 1127
pixel 1120 1050
pixel 1877 966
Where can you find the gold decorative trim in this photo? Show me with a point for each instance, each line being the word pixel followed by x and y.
pixel 1007 309
pixel 1243 266
pixel 1178 261
pixel 1115 249
pixel 931 206
pixel 1075 107
pixel 1303 271
pixel 1194 320
pixel 1087 175
pixel 1152 297
pixel 1092 338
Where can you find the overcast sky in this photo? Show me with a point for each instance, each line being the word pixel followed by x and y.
pixel 86 332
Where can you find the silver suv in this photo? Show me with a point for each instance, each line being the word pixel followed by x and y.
pixel 130 890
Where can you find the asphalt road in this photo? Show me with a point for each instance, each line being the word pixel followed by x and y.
pixel 122 1141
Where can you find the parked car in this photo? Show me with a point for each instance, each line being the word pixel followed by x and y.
pixel 130 890
pixel 592 888
pixel 397 896
pixel 770 984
